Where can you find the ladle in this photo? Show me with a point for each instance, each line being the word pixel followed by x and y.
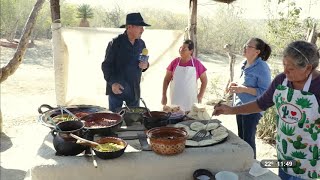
pixel 88 141
pixel 52 121
pixel 144 103
pixel 125 104
pixel 69 112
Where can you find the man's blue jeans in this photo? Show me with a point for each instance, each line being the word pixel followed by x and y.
pixel 247 127
pixel 115 103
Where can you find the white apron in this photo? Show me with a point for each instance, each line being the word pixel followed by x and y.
pixel 298 135
pixel 183 88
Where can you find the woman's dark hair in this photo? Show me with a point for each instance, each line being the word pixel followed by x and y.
pixel 189 43
pixel 265 49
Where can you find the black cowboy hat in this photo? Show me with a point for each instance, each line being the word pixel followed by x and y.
pixel 134 19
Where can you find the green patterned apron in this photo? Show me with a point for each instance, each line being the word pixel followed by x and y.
pixel 298 133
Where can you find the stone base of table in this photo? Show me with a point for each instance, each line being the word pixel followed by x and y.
pixel 232 155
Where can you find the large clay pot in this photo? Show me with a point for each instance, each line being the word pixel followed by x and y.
pixel 47 112
pixel 63 143
pixel 167 140
pixel 157 119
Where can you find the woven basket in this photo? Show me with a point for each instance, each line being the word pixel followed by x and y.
pixel 225 1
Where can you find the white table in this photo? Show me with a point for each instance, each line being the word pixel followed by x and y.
pixel 233 155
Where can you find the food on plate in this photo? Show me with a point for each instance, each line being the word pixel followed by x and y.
pixel 219 133
pixel 212 126
pixel 109 147
pixel 68 117
pixel 81 114
pixel 219 129
pixel 136 110
pixel 215 134
pixel 197 126
pixel 100 123
pixel 191 133
pixel 182 126
pixel 62 117
pixel 220 136
pixel 192 143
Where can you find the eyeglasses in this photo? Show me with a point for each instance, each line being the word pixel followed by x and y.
pixel 246 46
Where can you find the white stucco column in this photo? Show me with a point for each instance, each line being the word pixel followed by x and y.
pixel 60 60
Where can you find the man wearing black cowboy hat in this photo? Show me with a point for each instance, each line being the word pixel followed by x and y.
pixel 121 67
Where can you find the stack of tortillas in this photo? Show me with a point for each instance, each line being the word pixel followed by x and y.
pixel 216 133
pixel 172 108
pixel 200 112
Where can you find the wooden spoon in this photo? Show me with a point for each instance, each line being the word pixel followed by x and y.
pixel 87 141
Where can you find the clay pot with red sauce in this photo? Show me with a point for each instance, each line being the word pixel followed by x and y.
pixel 102 123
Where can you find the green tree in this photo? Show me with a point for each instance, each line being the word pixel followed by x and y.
pixel 12 15
pixel 69 15
pixel 285 26
pixel 114 17
pixel 85 12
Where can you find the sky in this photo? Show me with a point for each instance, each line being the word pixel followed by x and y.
pixel 252 9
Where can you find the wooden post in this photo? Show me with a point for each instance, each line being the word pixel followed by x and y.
pixel 55 11
pixel 232 60
pixel 60 62
pixel 192 25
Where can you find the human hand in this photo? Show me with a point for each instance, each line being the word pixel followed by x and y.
pixel 164 100
pixel 236 88
pixel 229 85
pixel 117 88
pixel 143 65
pixel 221 109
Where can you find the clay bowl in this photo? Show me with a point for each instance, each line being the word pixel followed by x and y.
pixel 113 154
pixel 167 140
pixel 202 172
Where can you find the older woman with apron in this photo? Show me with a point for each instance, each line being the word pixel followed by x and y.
pixel 182 75
pixel 296 96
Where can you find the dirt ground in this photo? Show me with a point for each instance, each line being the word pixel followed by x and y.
pixel 33 84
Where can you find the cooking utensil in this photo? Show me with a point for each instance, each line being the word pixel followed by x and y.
pixel 104 130
pixel 55 125
pixel 63 143
pixel 92 143
pixel 113 154
pixel 200 135
pixel 144 142
pixel 69 112
pixel 156 119
pixel 125 104
pixel 145 105
pixel 134 115
pixel 47 111
pixel 93 159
